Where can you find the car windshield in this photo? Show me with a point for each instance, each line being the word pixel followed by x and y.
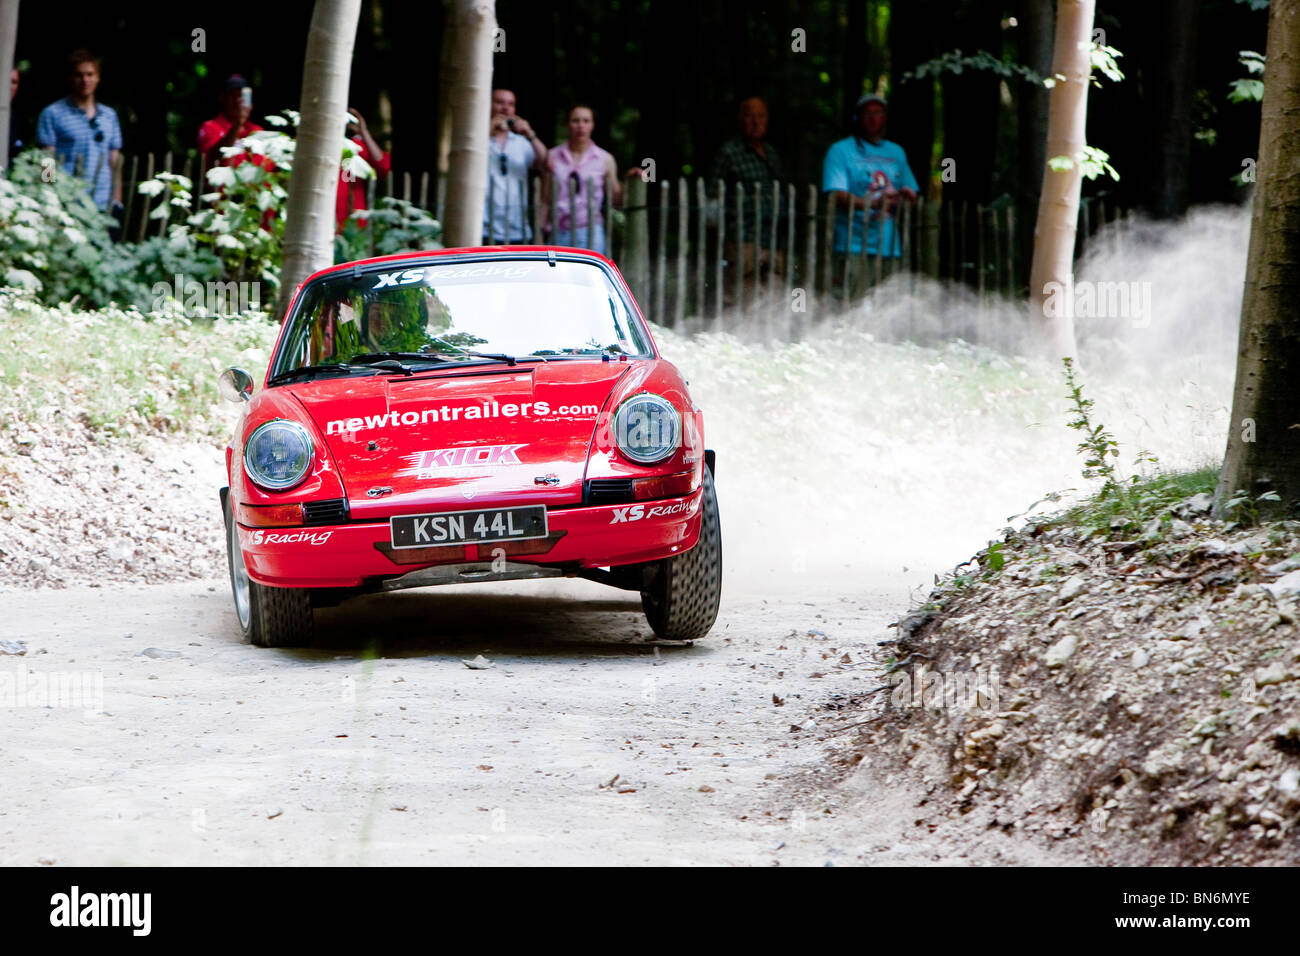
pixel 516 308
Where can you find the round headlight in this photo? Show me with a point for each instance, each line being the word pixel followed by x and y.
pixel 278 454
pixel 647 428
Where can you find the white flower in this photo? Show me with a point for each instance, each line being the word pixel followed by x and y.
pixel 22 279
pixel 150 187
pixel 220 176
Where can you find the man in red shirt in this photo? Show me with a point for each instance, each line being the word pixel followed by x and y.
pixel 230 125
pixel 352 189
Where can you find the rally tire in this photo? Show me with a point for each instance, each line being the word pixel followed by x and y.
pixel 267 617
pixel 682 595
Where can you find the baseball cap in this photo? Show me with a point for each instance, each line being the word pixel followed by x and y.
pixel 866 98
pixel 234 82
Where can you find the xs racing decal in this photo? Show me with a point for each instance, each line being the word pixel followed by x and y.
pixel 639 512
pixel 258 536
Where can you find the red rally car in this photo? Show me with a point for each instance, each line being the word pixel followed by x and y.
pixel 467 415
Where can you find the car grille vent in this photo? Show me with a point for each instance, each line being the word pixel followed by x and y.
pixel 334 511
pixel 608 491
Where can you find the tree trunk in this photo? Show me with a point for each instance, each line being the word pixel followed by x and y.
pixel 1264 431
pixel 1037 23
pixel 971 103
pixel 911 104
pixel 447 64
pixel 1058 203
pixel 471 108
pixel 309 216
pixel 8 39
pixel 1171 86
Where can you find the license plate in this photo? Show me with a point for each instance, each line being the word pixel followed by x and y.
pixel 468 527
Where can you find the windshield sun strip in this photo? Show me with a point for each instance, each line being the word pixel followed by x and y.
pixel 434 261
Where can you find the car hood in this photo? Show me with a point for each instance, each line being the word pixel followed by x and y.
pixel 463 438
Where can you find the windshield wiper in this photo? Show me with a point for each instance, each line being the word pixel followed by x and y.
pixel 304 371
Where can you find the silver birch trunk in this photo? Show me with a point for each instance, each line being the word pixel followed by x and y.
pixel 309 216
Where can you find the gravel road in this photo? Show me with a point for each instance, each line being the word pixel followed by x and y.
pixel 581 743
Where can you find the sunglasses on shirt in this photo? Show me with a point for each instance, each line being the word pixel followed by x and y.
pixel 99 133
pixel 502 158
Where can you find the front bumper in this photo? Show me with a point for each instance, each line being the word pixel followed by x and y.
pixel 358 554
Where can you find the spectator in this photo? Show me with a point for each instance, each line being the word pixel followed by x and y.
pixel 581 176
pixel 513 150
pixel 746 160
pixel 83 134
pixel 17 125
pixel 866 172
pixel 228 126
pixel 352 190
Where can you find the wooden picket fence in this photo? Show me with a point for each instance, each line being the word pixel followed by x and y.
pixel 672 239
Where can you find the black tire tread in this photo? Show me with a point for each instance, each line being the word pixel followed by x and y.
pixel 281 617
pixel 688 587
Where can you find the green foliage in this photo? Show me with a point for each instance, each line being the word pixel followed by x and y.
pixel 241 222
pixel 1103 59
pixel 54 242
pixel 955 62
pixel 1092 163
pixel 1244 509
pixel 1248 90
pixel 396 226
pixel 1100 450
pixel 1145 500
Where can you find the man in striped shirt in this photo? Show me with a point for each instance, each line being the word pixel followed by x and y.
pixel 83 134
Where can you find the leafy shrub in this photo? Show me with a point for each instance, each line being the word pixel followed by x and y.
pixel 54 242
pixel 395 226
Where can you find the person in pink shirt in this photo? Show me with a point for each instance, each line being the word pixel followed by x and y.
pixel 582 176
pixel 352 191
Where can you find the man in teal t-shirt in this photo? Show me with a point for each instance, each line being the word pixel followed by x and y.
pixel 866 172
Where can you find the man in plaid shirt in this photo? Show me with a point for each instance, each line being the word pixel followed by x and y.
pixel 742 162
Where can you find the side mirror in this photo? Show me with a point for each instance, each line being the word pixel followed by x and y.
pixel 235 385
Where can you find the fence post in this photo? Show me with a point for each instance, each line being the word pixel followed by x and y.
pixel 144 202
pixel 128 196
pixel 739 309
pixel 828 233
pixel 809 275
pixel 848 246
pixel 932 237
pixel 661 255
pixel 683 242
pixel 701 206
pixel 759 284
pixel 535 184
pixel 636 245
pixel 788 265
pixel 717 263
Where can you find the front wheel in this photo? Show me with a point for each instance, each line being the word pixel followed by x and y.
pixel 682 593
pixel 268 617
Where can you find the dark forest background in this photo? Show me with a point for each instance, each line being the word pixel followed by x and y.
pixel 665 78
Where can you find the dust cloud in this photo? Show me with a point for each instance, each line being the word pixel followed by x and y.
pixel 894 441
